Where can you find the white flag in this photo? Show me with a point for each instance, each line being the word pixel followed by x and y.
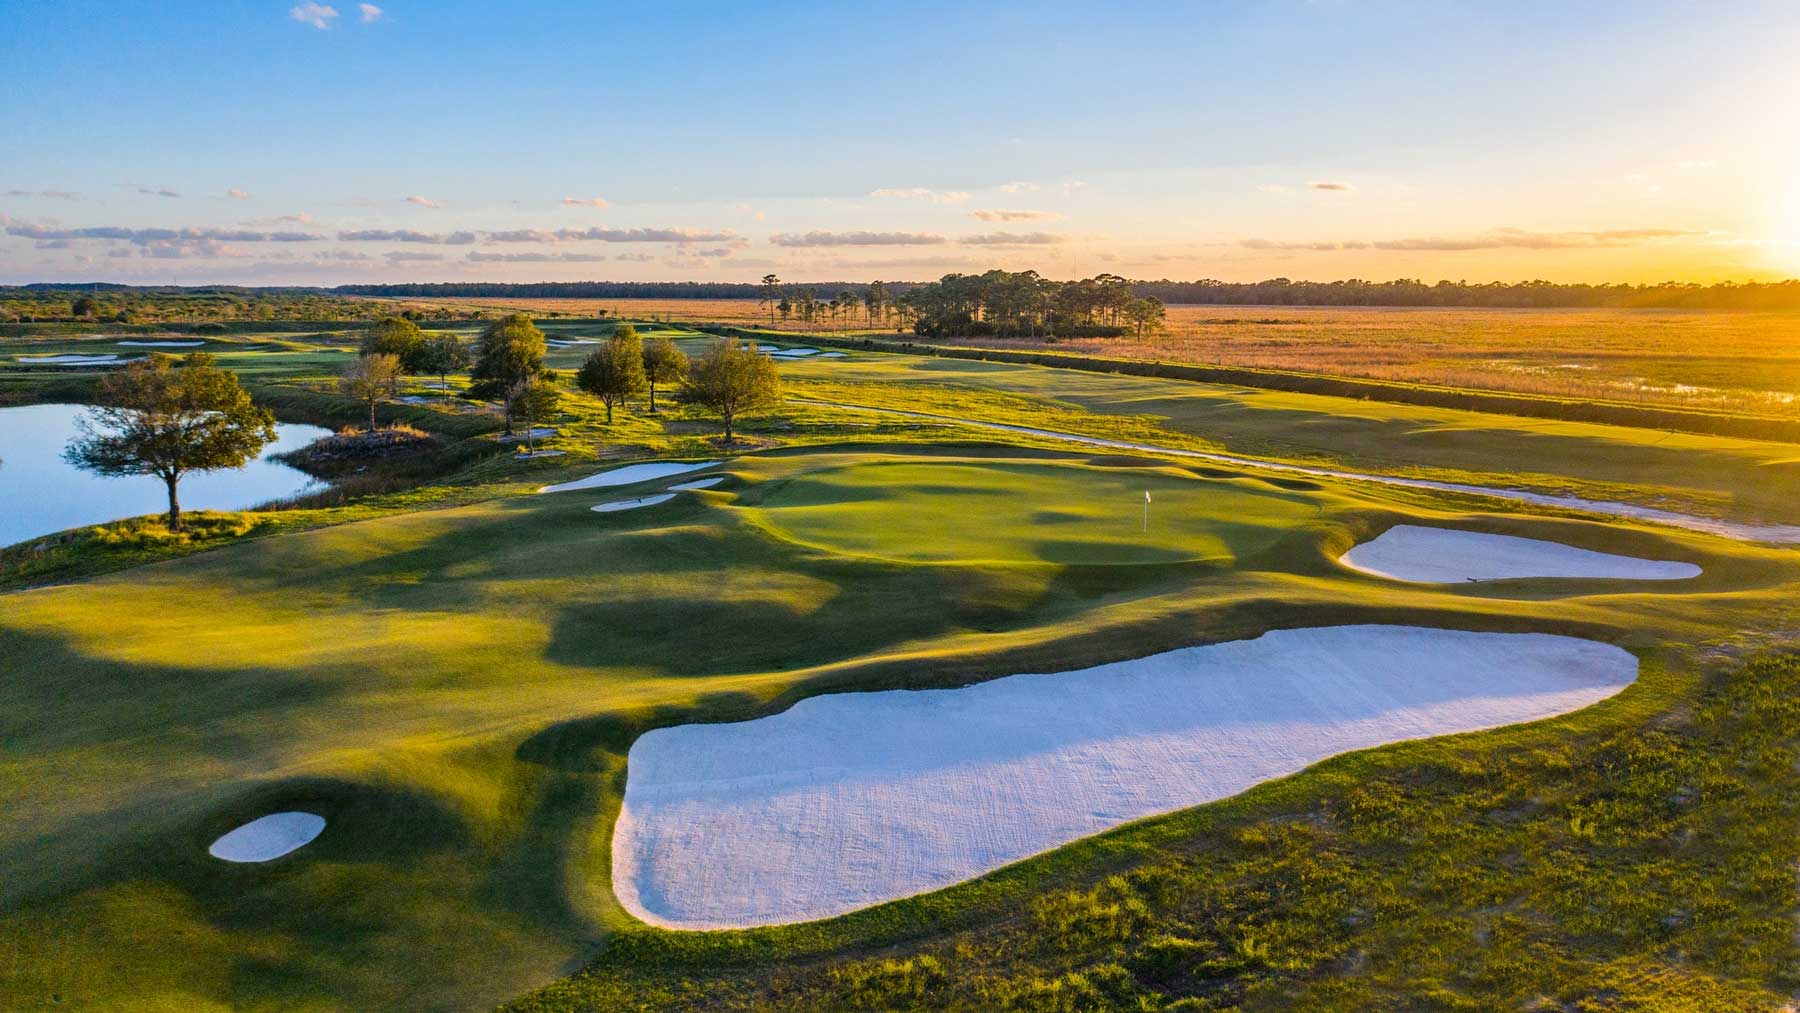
pixel 1146 495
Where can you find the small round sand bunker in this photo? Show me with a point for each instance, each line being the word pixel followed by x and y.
pixel 632 504
pixel 268 838
pixel 1422 555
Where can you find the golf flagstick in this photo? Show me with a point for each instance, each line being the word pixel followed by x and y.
pixel 1146 510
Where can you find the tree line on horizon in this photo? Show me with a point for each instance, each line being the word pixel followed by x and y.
pixel 1781 295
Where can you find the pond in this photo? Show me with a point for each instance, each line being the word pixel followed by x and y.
pixel 41 493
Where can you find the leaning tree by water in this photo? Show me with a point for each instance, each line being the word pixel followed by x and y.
pixel 158 418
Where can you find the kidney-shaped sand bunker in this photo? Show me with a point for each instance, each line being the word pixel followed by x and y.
pixel 852 799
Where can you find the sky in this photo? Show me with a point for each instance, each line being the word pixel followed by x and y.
pixel 317 144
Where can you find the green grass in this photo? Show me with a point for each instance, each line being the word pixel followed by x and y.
pixel 453 675
pixel 455 690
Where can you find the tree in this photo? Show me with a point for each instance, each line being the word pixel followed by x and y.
pixel 614 372
pixel 156 420
pixel 771 292
pixel 731 380
pixel 1145 314
pixel 850 301
pixel 395 336
pixel 877 300
pixel 664 364
pixel 371 379
pixel 440 356
pixel 533 400
pixel 509 350
pixel 85 306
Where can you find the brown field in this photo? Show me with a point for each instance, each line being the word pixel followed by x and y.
pixel 1748 362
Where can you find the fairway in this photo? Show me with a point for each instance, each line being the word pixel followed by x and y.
pixel 939 512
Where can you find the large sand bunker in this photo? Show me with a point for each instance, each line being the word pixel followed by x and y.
pixel 268 838
pixel 852 799
pixel 630 475
pixel 1447 556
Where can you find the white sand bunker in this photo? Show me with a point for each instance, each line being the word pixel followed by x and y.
pixel 852 799
pixel 630 474
pixel 698 483
pixel 631 504
pixel 162 344
pixel 70 360
pixel 268 838
pixel 1446 556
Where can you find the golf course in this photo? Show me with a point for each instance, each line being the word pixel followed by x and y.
pixel 945 683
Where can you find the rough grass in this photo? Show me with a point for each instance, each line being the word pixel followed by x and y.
pixel 456 690
pixel 1648 866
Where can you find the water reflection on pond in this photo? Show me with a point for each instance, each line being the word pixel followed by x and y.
pixel 41 493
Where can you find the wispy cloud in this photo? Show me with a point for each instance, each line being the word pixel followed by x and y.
pixel 424 202
pixel 600 235
pixel 238 193
pixel 856 239
pixel 483 257
pixel 53 194
pixel 1498 239
pixel 600 203
pixel 1013 215
pixel 318 15
pixel 637 258
pixel 151 191
pixel 370 13
pixel 1014 239
pixel 144 236
pixel 413 257
pixel 1334 187
pixel 921 193
pixel 1018 187
pixel 406 236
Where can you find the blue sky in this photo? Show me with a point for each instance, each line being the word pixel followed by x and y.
pixel 1237 140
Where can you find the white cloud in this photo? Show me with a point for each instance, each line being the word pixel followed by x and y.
pixel 406 236
pixel 317 15
pixel 921 193
pixel 410 257
pixel 370 13
pixel 599 203
pixel 857 239
pixel 1331 186
pixel 1014 239
pixel 1070 186
pixel 600 235
pixel 238 193
pixel 481 257
pixel 1018 187
pixel 424 202
pixel 1013 215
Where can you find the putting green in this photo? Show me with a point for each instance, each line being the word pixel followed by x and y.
pixel 1021 512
